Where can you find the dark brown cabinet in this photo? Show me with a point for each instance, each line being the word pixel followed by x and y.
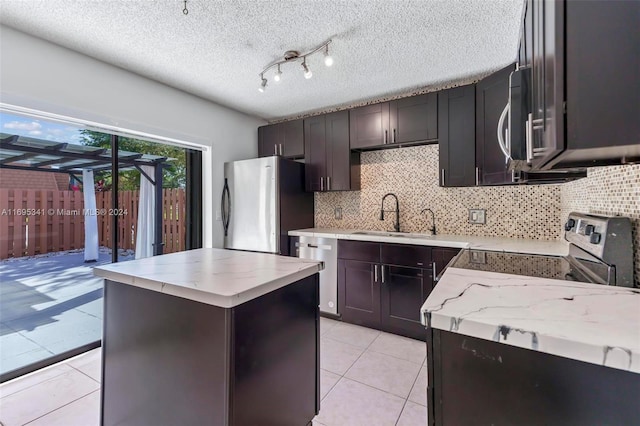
pixel 585 91
pixel 389 124
pixel 441 257
pixel 330 164
pixel 285 139
pixel 383 286
pixel 456 124
pixel 359 292
pixel 492 103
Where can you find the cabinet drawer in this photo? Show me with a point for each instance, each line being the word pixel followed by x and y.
pixel 405 255
pixel 359 250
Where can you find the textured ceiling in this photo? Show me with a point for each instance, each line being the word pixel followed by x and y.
pixel 381 47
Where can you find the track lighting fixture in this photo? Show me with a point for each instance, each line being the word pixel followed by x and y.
pixel 292 56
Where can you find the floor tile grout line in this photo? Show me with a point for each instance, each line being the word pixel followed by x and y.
pixel 35 384
pixel 82 372
pixel 401 359
pixel 408 396
pixel 62 406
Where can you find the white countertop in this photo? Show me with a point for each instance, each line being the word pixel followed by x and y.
pixel 512 245
pixel 586 322
pixel 224 278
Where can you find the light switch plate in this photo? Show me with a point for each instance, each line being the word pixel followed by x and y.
pixel 477 216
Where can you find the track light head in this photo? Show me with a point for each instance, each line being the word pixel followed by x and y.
pixel 263 85
pixel 307 72
pixel 328 59
pixel 278 75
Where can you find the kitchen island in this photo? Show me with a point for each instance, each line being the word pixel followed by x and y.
pixel 210 336
pixel 510 349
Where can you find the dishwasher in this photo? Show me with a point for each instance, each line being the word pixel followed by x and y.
pixel 326 250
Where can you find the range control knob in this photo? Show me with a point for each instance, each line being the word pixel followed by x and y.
pixel 588 230
pixel 595 238
pixel 569 225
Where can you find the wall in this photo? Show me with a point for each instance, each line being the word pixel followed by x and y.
pixel 412 174
pixel 608 191
pixel 38 75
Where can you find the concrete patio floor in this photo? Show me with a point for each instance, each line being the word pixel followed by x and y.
pixel 48 305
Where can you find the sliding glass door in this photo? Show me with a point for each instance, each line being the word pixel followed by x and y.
pixel 63 211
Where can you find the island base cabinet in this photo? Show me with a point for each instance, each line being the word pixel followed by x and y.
pixel 169 360
pixel 481 382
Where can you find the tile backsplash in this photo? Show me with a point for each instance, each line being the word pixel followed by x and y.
pixel 611 191
pixel 518 211
pixel 412 174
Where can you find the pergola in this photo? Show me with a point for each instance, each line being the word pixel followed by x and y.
pixel 25 153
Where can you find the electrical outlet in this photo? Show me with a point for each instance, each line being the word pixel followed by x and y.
pixel 218 215
pixel 477 216
pixel 337 213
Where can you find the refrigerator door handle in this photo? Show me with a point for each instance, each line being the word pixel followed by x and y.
pixel 225 207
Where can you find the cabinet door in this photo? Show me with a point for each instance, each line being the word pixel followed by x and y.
pixel 315 147
pixel 369 126
pixel 456 129
pixel 547 88
pixel 359 292
pixel 292 139
pixel 343 166
pixel 492 97
pixel 414 119
pixel 268 140
pixel 441 257
pixel 404 290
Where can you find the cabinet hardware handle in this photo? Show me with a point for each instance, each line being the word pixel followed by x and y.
pixel 435 274
pixel 386 136
pixel 529 138
pixel 394 135
pixel 375 273
pixel 382 269
pixel 275 149
pixel 281 150
pixel 442 176
pixel 477 176
pixel 328 183
pixel 321 183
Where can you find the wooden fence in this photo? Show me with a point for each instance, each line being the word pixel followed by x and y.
pixel 38 221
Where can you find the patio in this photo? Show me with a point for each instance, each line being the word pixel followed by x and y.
pixel 49 304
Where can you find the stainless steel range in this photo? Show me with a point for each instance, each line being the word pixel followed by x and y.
pixel 600 252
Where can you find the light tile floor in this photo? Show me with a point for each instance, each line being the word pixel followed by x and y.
pixel 367 377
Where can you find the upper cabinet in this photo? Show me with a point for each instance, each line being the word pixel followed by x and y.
pixel 391 124
pixel 492 105
pixel 330 164
pixel 285 139
pixel 585 91
pixel 456 122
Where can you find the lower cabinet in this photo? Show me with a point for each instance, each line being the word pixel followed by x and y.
pixel 383 286
pixel 359 292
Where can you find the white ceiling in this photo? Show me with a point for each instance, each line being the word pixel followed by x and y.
pixel 381 47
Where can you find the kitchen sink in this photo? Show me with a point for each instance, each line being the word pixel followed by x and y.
pixel 393 234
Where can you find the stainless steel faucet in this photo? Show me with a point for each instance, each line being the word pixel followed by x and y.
pixel 433 220
pixel 396 226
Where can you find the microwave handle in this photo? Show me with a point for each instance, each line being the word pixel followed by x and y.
pixel 502 141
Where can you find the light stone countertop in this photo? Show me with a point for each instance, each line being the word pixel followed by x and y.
pixel 586 322
pixel 224 278
pixel 512 245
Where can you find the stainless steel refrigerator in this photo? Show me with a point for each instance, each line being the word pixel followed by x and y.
pixel 262 200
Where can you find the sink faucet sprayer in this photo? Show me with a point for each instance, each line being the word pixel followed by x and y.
pixel 396 226
pixel 433 221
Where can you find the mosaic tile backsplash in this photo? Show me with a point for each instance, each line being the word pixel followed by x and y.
pixel 412 174
pixel 611 191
